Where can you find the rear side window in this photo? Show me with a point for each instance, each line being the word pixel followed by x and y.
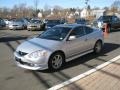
pixel 88 30
pixel 78 32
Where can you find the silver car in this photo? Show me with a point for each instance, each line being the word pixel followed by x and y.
pixel 34 25
pixel 16 24
pixel 58 45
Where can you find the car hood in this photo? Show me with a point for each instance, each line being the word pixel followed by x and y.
pixel 35 44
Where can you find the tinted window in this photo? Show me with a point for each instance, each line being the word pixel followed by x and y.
pixel 105 18
pixel 115 18
pixel 80 21
pixel 78 32
pixel 88 30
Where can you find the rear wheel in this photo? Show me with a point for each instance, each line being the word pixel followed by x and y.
pixel 56 61
pixel 98 47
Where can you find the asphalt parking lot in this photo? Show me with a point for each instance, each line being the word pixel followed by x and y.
pixel 15 78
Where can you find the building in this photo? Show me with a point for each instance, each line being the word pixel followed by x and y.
pixel 40 15
pixel 85 13
pixel 98 13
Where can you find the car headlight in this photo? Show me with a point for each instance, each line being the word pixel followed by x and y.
pixel 37 54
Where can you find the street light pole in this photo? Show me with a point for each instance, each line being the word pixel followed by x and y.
pixel 36 6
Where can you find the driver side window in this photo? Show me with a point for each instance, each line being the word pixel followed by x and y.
pixel 78 32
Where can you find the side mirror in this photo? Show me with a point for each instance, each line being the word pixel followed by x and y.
pixel 72 38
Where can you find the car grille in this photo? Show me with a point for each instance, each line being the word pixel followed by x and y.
pixel 33 26
pixel 22 62
pixel 15 25
pixel 22 53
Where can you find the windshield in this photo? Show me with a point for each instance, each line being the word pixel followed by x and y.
pixel 55 33
pixel 105 18
pixel 35 21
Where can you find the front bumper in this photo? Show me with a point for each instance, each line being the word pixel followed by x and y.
pixel 15 27
pixel 33 28
pixel 38 67
pixel 24 63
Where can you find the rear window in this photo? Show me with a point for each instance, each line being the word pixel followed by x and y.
pixel 105 18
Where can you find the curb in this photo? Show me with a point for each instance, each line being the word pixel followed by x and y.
pixel 56 87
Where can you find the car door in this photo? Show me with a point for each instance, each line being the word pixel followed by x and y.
pixel 78 44
pixel 90 38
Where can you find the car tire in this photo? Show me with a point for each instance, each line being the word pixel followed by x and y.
pixel 56 61
pixel 97 47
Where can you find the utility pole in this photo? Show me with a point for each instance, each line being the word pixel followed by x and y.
pixel 86 2
pixel 36 6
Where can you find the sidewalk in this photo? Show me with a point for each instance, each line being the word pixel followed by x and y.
pixel 107 78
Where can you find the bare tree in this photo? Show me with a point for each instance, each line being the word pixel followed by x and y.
pixel 116 4
pixel 114 7
pixel 57 9
pixel 47 10
pixel 36 2
pixel 4 12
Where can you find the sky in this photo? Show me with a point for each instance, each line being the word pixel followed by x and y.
pixel 62 3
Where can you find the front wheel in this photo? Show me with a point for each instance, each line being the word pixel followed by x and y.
pixel 56 61
pixel 98 47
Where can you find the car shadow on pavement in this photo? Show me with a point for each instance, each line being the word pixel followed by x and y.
pixel 47 85
pixel 13 38
pixel 41 79
pixel 61 76
pixel 108 47
pixel 10 46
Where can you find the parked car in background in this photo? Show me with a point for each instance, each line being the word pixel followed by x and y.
pixel 16 24
pixel 112 21
pixel 25 21
pixel 2 23
pixel 58 45
pixel 6 21
pixel 81 21
pixel 35 25
pixel 51 23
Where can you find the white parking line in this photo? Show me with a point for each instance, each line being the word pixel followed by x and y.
pixel 84 74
